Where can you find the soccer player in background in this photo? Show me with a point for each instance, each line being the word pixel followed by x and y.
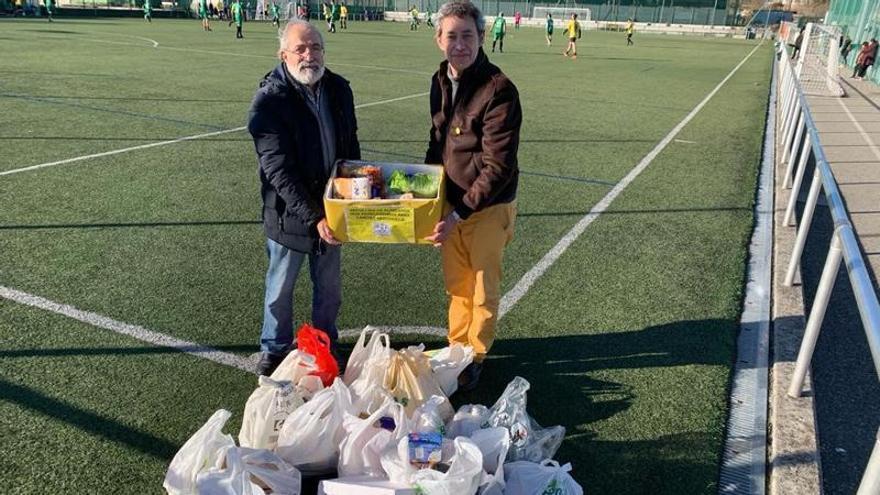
pixel 238 18
pixel 517 19
pixel 274 10
pixel 343 16
pixel 499 27
pixel 414 21
pixel 148 10
pixel 573 31
pixel 549 29
pixel 334 15
pixel 326 10
pixel 630 28
pixel 203 15
pixel 49 5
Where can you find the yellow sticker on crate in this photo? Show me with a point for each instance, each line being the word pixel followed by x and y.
pixel 380 223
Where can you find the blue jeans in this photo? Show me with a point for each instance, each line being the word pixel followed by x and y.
pixel 284 266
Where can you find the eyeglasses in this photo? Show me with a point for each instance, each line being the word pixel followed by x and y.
pixel 302 49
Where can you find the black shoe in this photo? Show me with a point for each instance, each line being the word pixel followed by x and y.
pixel 268 363
pixel 470 377
pixel 334 351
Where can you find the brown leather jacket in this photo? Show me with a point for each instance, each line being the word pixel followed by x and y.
pixel 476 137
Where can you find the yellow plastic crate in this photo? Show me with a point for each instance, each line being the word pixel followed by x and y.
pixel 393 221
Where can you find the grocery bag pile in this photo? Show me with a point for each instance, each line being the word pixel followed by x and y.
pixel 388 417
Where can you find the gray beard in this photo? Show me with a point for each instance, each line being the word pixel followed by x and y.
pixel 307 77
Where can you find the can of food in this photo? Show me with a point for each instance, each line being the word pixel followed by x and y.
pixel 360 188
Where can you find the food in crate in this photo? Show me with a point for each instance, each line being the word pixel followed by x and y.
pixel 349 184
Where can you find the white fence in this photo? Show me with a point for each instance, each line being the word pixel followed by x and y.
pixel 796 125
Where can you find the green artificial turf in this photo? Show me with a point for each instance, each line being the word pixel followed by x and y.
pixel 627 339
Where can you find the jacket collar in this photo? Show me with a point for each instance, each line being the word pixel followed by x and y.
pixel 478 68
pixel 281 80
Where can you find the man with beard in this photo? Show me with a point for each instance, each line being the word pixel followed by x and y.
pixel 302 120
pixel 475 123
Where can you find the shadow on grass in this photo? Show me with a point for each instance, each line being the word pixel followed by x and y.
pixel 565 390
pixel 118 351
pixel 215 223
pixel 87 421
pixel 139 98
pixel 125 225
pixel 132 139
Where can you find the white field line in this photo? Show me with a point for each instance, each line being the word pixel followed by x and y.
pixel 865 136
pixel 174 141
pixel 525 283
pixel 247 55
pixel 116 152
pixel 138 332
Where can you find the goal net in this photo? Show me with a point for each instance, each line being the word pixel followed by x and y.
pixel 562 13
pixel 287 9
pixel 818 65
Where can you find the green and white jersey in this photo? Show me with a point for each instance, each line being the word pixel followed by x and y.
pixel 499 26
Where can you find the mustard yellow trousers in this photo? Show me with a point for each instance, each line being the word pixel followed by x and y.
pixel 471 258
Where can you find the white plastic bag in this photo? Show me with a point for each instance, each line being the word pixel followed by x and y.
pixel 365 440
pixel 265 412
pixel 463 477
pixel 244 471
pixel 468 419
pixel 493 444
pixel 428 417
pixel 310 437
pixel 529 478
pixel 528 440
pixel 395 462
pixel 448 363
pixel 411 382
pixel 364 350
pixel 367 388
pixel 200 452
pixel 294 367
pixel 308 386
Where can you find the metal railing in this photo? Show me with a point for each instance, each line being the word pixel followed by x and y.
pixel 796 125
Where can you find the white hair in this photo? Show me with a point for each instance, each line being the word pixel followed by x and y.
pixel 282 33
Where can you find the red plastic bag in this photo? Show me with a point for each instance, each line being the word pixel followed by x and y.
pixel 315 342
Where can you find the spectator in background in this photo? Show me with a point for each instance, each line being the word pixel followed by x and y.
pixel 869 58
pixel 845 48
pixel 797 44
pixel 860 60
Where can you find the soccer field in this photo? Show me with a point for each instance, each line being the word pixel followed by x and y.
pixel 623 321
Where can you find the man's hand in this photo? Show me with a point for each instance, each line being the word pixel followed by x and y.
pixel 443 229
pixel 327 234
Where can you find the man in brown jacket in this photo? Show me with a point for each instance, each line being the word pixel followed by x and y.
pixel 476 118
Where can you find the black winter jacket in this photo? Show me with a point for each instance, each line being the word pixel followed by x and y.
pixel 288 143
